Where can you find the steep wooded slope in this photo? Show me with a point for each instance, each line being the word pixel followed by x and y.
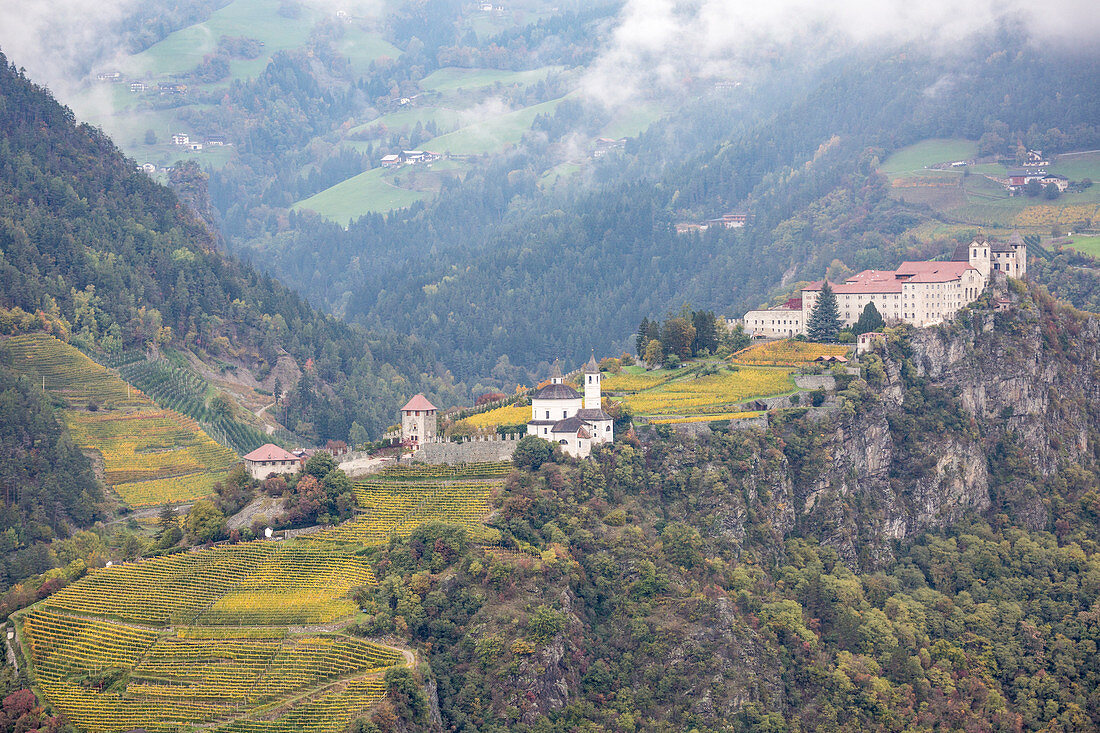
pixel 115 262
pixel 921 555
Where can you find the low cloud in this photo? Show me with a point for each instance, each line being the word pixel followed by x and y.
pixel 60 42
pixel 656 45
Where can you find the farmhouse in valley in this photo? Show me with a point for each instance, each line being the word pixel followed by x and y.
pixel 559 413
pixel 269 459
pixel 920 293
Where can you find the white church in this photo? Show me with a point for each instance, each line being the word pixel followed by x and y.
pixel 560 415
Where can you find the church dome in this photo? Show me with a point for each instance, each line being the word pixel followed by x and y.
pixel 557 392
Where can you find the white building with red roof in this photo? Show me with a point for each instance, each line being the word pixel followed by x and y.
pixel 920 293
pixel 269 459
pixel 418 420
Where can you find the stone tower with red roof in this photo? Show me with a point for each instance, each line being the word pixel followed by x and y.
pixel 418 420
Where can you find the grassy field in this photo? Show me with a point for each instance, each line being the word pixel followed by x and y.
pixel 451 79
pixel 928 152
pixel 634 121
pixel 1088 244
pixel 361 48
pixel 492 135
pixel 560 172
pixel 975 200
pixel 1076 166
pixel 405 120
pixel 362 194
pixel 149 455
pixel 259 19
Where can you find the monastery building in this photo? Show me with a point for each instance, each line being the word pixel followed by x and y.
pixel 920 293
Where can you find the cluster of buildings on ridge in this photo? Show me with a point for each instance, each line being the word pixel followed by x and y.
pixel 920 293
pixel 1034 169
pixel 559 414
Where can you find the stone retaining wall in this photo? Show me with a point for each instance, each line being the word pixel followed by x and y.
pixel 472 452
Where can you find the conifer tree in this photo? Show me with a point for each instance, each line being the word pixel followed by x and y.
pixel 824 322
pixel 642 338
pixel 166 520
pixel 869 320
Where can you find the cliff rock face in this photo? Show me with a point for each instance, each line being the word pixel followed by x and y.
pixel 965 418
pixel 968 415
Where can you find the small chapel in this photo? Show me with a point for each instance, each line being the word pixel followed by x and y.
pixel 561 415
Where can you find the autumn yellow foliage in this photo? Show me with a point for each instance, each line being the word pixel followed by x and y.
pixel 624 382
pixel 1045 215
pixel 712 394
pixel 506 415
pixel 787 352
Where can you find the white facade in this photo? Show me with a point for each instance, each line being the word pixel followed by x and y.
pixel 920 293
pixel 561 415
pixel 782 322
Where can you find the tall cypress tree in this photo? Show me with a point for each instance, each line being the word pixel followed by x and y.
pixel 824 322
pixel 869 320
pixel 642 338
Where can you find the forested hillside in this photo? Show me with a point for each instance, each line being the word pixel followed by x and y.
pixel 457 271
pixel 921 556
pixel 113 262
pixel 48 485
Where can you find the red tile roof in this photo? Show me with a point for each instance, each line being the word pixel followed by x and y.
pixel 933 272
pixel 270 452
pixel 419 402
pixel 890 281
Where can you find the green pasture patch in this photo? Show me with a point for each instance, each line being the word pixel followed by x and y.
pixel 451 79
pixel 927 153
pixel 368 192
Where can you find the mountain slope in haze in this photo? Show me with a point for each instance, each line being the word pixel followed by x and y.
pixel 459 271
pixel 117 263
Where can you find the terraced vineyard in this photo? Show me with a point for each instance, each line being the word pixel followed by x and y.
pixel 713 394
pixel 106 653
pixel 214 638
pixel 150 455
pixel 184 391
pixel 399 499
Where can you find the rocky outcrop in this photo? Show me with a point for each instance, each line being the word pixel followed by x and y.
pixel 965 418
pixel 1020 385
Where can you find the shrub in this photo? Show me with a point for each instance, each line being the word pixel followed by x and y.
pixel 531 452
